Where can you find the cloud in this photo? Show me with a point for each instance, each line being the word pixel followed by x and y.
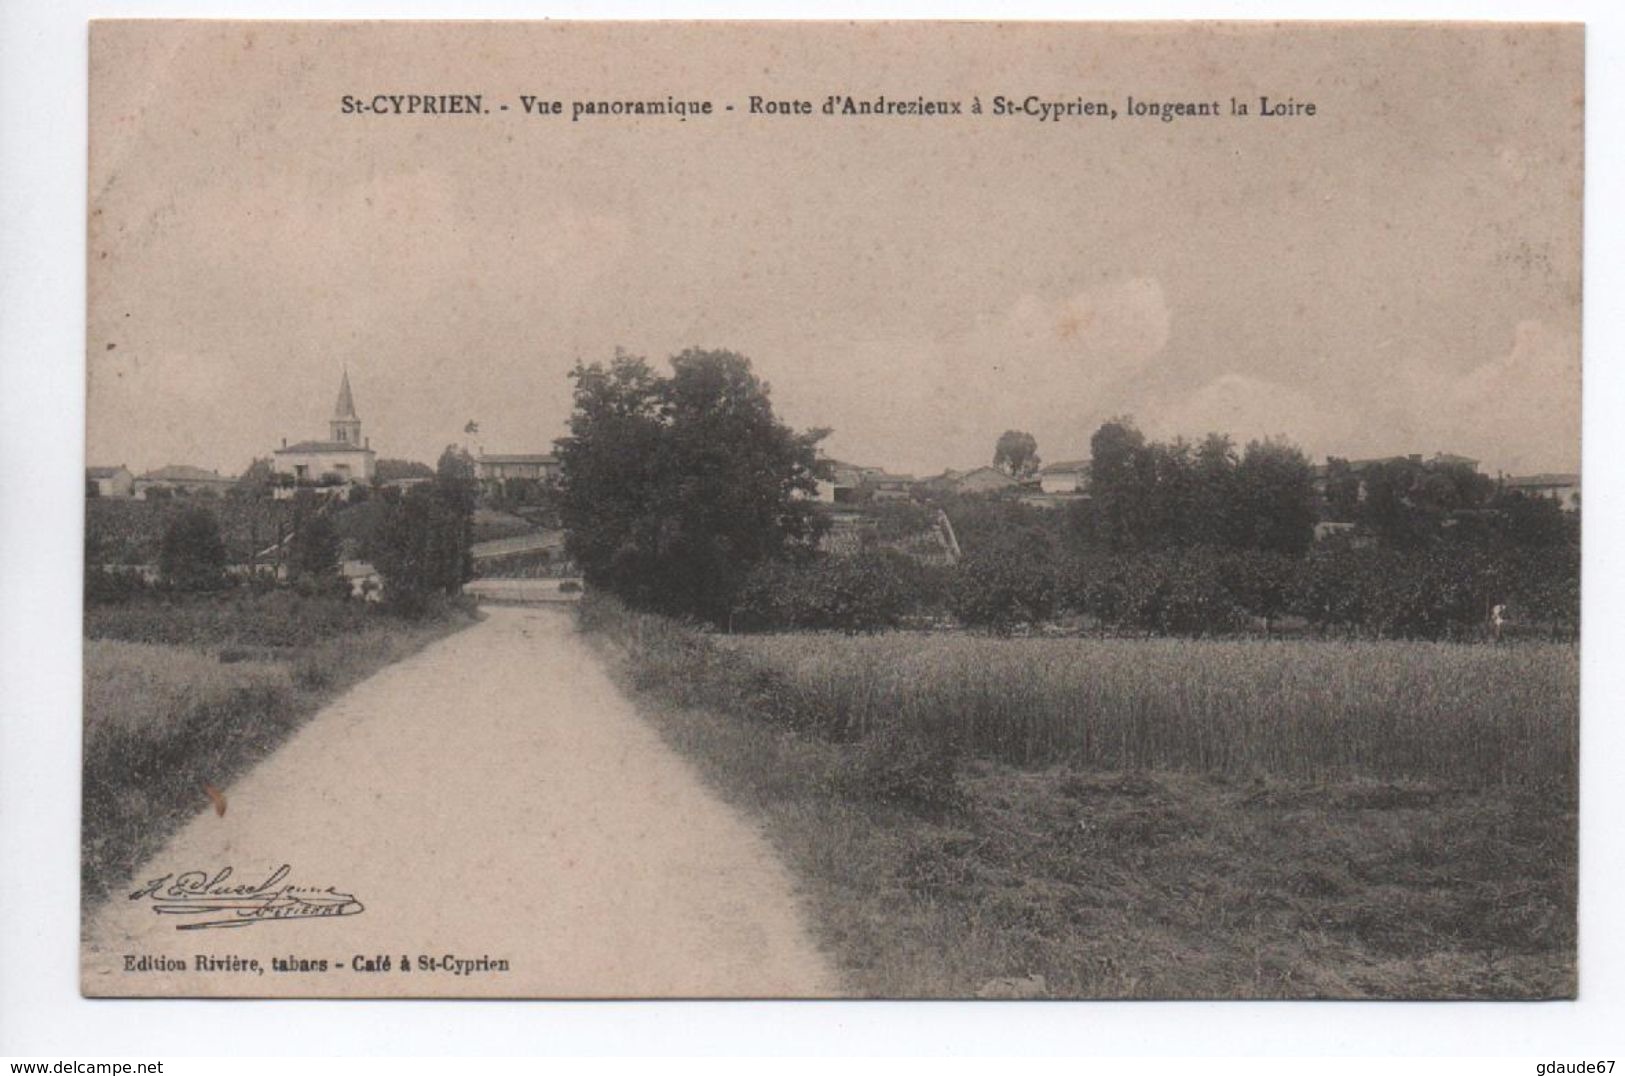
pixel 1249 408
pixel 1099 331
pixel 1519 412
pixel 1522 410
pixel 933 394
pixel 1043 361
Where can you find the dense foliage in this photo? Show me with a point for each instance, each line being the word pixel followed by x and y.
pixel 313 551
pixel 1147 495
pixel 867 592
pixel 673 488
pixel 423 542
pixel 192 556
pixel 1016 454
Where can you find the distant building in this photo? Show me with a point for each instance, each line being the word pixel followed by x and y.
pixel 841 487
pixel 1562 488
pixel 179 478
pixel 1070 476
pixel 941 483
pixel 500 474
pixel 109 482
pixel 345 458
pixel 983 480
pixel 890 487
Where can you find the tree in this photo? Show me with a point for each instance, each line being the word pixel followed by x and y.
pixel 1172 498
pixel 1119 480
pixel 1214 521
pixel 1262 584
pixel 996 592
pixel 391 470
pixel 672 489
pixel 1016 454
pixel 192 555
pixel 418 549
pixel 423 544
pixel 1275 493
pixel 256 479
pixel 313 551
pixel 867 592
pixel 1342 491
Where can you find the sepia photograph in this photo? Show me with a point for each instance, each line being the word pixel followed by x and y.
pixel 866 510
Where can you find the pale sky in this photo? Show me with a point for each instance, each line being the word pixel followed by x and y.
pixel 1399 273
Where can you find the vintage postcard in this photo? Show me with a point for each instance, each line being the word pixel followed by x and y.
pixel 867 510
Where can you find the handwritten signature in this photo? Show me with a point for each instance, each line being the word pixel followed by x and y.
pixel 228 903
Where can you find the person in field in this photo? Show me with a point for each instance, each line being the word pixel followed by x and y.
pixel 1497 620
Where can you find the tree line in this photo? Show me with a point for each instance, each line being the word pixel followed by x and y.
pixel 683 493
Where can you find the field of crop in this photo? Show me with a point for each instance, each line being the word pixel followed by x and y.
pixel 1145 818
pixel 119 531
pixel 187 691
pixel 1301 709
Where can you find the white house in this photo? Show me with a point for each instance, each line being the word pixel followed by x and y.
pixel 109 481
pixel 345 458
pixel 983 480
pixel 842 484
pixel 1562 488
pixel 496 471
pixel 1071 476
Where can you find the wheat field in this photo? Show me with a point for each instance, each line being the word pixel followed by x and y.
pixel 1304 709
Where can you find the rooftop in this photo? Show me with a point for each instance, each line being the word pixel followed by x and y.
pixel 180 472
pixel 1066 467
pixel 1547 479
pixel 322 446
pixel 518 457
pixel 345 408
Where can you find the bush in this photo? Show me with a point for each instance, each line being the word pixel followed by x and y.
pixel 111 586
pixel 1189 592
pixel 867 592
pixel 422 548
pixel 193 556
pixel 313 551
pixel 902 766
pixel 1192 598
pixel 995 591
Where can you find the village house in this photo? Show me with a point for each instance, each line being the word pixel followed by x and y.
pixel 511 474
pixel 1070 476
pixel 983 480
pixel 941 483
pixel 890 487
pixel 344 459
pixel 178 478
pixel 109 482
pixel 1562 488
pixel 841 487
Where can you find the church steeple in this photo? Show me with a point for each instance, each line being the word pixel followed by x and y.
pixel 345 426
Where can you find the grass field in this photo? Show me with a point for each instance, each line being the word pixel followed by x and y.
pixel 1103 818
pixel 1301 709
pixel 186 691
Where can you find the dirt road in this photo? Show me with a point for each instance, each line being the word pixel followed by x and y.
pixel 493 798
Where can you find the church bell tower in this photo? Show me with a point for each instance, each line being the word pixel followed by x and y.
pixel 345 426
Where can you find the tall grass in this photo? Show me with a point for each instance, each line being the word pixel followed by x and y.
pixel 1299 709
pixel 1404 824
